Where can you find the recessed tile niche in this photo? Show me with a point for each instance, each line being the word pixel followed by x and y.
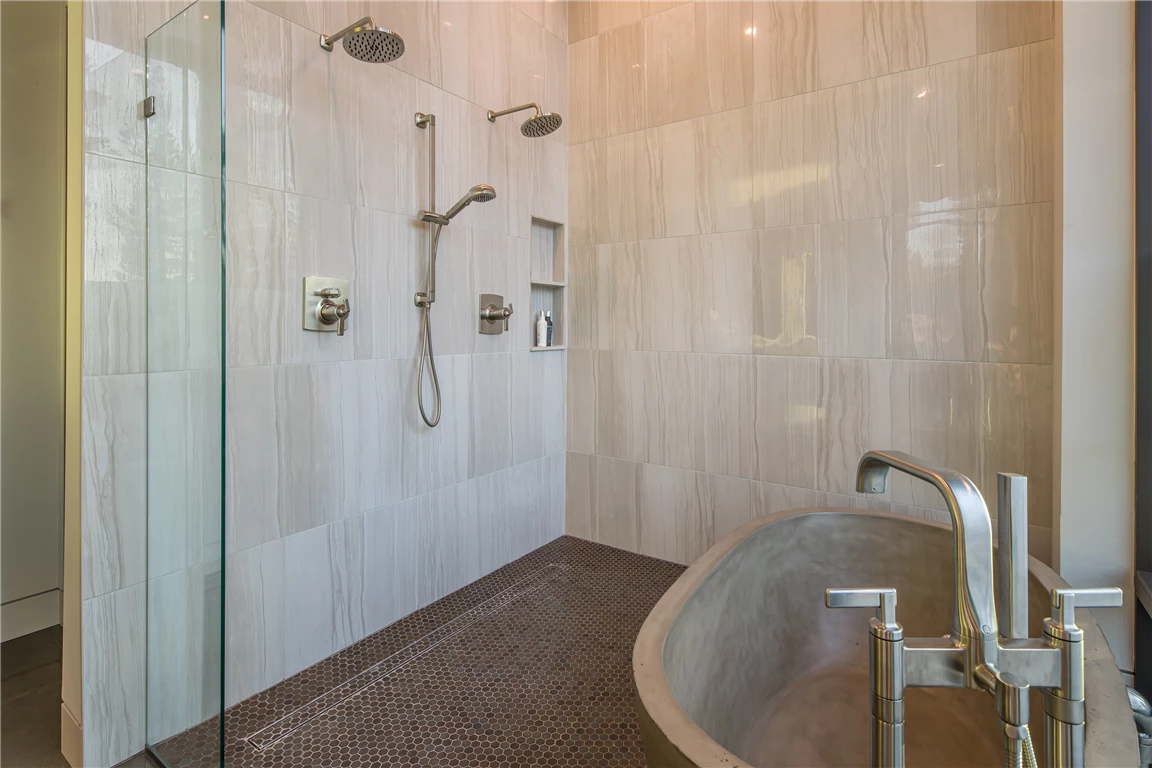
pixel 549 281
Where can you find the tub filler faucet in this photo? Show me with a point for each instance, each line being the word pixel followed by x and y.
pixel 981 653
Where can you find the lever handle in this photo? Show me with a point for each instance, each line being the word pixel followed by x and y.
pixel 330 312
pixel 882 598
pixel 1065 601
pixel 507 314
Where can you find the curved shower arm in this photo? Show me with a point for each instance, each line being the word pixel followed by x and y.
pixel 327 40
pixel 531 105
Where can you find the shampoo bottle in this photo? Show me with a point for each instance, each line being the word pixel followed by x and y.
pixel 541 330
pixel 548 318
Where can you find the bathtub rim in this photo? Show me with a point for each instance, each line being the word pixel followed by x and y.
pixel 659 711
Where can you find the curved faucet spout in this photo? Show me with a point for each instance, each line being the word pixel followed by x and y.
pixel 973 606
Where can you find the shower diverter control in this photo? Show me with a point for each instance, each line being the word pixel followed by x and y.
pixel 493 314
pixel 326 304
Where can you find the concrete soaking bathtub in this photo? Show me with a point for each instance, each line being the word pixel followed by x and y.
pixel 741 664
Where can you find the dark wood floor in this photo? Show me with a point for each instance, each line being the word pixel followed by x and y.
pixel 30 701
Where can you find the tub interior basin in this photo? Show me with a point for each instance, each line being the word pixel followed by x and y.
pixel 769 676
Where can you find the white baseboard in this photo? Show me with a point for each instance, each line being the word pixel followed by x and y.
pixel 23 617
pixel 71 738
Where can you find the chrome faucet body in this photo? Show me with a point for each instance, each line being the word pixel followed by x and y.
pixel 976 654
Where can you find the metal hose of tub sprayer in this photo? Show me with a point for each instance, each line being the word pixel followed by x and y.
pixel 1142 714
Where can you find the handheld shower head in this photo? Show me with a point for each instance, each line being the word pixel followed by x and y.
pixel 367 42
pixel 481 193
pixel 540 124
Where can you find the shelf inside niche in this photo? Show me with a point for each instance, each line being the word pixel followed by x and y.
pixel 549 299
pixel 548 262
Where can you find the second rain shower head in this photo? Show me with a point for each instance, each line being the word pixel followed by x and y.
pixel 368 42
pixel 540 124
pixel 481 193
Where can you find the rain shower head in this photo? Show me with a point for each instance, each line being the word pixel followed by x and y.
pixel 540 124
pixel 481 193
pixel 367 42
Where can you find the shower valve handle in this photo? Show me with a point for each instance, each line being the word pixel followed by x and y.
pixel 330 312
pixel 494 314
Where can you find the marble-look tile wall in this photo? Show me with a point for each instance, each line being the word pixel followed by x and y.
pixel 344 512
pixel 801 230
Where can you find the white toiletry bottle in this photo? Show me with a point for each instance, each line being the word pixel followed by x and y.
pixel 548 318
pixel 542 330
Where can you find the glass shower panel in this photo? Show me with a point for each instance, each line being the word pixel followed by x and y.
pixel 185 340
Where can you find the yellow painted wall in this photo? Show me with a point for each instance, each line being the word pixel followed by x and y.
pixel 32 163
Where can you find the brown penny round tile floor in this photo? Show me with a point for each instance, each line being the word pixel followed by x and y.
pixel 530 665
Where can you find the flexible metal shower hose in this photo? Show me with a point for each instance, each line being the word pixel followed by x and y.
pixel 1019 752
pixel 426 339
pixel 426 354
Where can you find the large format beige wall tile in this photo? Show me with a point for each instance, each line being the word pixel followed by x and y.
pixel 669 204
pixel 526 61
pixel 724 52
pixel 936 162
pixel 936 288
pixel 725 401
pixel 1019 437
pixel 615 513
pixel 488 32
pixel 1016 260
pixel 855 413
pixel 726 180
pixel 785 420
pixel 937 415
pixel 1016 103
pixel 587 194
pixel 256 95
pixel 856 152
pixel 114 670
pixel 674 522
pixel 390 150
pixel 556 18
pixel 256 279
pixel 853 267
pixel 667 292
pixel 114 266
pixel 931 31
pixel 676 88
pixel 587 90
pixel 720 267
pixel 783 48
pixel 556 80
pixel 1014 22
pixel 581 400
pixel 852 42
pixel 591 17
pixel 627 95
pixel 113 482
pixel 785 320
pixel 784 161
